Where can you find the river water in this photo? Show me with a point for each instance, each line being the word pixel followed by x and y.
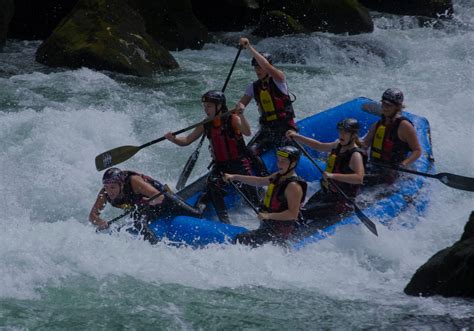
pixel 57 273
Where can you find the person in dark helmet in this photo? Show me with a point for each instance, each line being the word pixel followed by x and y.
pixel 227 145
pixel 130 190
pixel 392 140
pixel 281 206
pixel 270 92
pixel 345 166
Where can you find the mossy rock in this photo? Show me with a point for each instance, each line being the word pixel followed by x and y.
pixel 429 8
pixel 335 16
pixel 105 35
pixel 277 23
pixel 172 23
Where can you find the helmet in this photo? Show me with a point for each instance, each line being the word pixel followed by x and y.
pixel 393 96
pixel 216 97
pixel 349 125
pixel 290 152
pixel 267 56
pixel 113 175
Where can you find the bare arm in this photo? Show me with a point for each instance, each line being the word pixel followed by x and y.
pixel 407 133
pixel 262 62
pixel 99 205
pixel 185 141
pixel 367 140
pixel 250 180
pixel 293 194
pixel 140 186
pixel 357 165
pixel 240 123
pixel 313 143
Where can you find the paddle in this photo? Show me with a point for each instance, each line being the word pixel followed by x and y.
pixel 128 212
pixel 242 194
pixel 120 154
pixel 189 166
pixel 451 180
pixel 367 222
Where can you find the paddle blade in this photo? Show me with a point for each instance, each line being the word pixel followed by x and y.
pixel 457 181
pixel 114 156
pixel 365 220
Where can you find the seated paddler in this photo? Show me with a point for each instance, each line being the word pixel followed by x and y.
pixel 284 197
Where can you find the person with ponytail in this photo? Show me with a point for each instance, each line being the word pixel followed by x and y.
pixel 345 166
pixel 281 206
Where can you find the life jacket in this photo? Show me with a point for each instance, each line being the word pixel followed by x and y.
pixel 339 163
pixel 386 145
pixel 225 144
pixel 129 199
pixel 274 106
pixel 275 202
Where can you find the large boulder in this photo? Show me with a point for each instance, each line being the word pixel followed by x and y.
pixel 226 15
pixel 6 14
pixel 104 35
pixel 276 23
pixel 450 272
pixel 172 23
pixel 429 8
pixel 36 19
pixel 335 16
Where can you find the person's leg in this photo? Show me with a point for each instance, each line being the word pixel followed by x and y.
pixel 255 238
pixel 216 195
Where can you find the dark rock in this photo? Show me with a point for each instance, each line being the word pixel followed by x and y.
pixel 429 8
pixel 172 23
pixel 276 23
pixel 450 272
pixel 104 35
pixel 36 19
pixel 226 15
pixel 336 16
pixel 6 14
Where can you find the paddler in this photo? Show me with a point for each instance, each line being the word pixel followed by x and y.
pixel 130 190
pixel 270 92
pixel 228 150
pixel 392 140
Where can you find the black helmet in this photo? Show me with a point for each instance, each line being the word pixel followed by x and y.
pixel 349 125
pixel 290 152
pixel 216 97
pixel 393 96
pixel 113 175
pixel 267 56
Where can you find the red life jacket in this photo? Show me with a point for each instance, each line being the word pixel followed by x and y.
pixel 275 107
pixel 225 144
pixel 275 202
pixel 386 145
pixel 339 163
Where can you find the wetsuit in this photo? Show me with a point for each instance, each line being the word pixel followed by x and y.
pixel 327 204
pixel 230 155
pixel 274 202
pixel 144 213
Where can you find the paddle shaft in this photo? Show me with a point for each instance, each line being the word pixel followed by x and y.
pixel 242 194
pixel 131 210
pixel 189 166
pixel 367 222
pixel 451 180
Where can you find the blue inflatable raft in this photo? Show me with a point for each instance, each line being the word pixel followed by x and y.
pixel 183 230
